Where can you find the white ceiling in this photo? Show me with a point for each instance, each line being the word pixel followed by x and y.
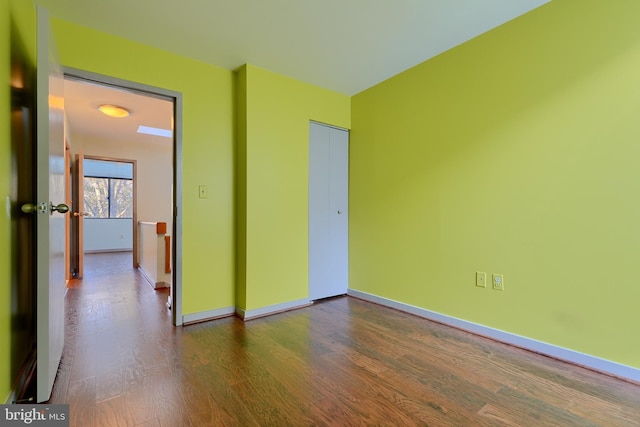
pixel 343 45
pixel 81 101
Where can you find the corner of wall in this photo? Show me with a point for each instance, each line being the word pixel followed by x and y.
pixel 272 160
pixel 240 185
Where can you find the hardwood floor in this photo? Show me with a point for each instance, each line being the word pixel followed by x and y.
pixel 340 362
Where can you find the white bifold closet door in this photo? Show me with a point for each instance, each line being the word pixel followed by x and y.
pixel 328 211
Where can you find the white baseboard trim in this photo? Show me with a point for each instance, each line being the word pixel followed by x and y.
pixel 575 357
pixel 146 276
pixel 151 282
pixel 203 316
pixel 271 309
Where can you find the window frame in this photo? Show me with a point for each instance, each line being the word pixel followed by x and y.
pixel 109 193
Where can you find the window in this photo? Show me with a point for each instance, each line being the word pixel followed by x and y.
pixel 108 197
pixel 108 189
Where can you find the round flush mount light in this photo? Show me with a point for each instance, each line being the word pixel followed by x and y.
pixel 114 110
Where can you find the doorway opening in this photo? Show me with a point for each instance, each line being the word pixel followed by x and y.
pixel 127 170
pixel 104 213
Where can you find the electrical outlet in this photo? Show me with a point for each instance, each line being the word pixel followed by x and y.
pixel 481 279
pixel 498 282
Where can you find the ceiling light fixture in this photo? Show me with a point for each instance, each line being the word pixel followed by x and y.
pixel 114 111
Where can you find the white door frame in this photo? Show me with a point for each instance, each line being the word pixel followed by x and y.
pixel 176 98
pixel 134 207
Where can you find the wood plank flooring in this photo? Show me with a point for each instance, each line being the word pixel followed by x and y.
pixel 340 362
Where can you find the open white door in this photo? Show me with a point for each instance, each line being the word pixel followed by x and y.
pixel 50 226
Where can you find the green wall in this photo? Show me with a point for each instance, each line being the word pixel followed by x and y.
pixel 272 118
pixel 514 153
pixel 207 256
pixel 273 196
pixel 17 33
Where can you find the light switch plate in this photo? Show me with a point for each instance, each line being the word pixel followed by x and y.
pixel 203 191
pixel 481 279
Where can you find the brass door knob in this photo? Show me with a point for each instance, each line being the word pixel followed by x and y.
pixel 61 208
pixel 30 208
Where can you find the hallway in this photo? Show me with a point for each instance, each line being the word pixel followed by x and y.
pixel 118 334
pixel 339 362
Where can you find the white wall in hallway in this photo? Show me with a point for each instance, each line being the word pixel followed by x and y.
pixel 108 234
